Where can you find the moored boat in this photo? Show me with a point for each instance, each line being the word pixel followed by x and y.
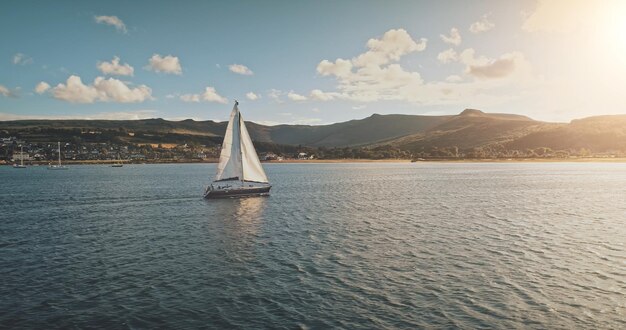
pixel 59 166
pixel 21 164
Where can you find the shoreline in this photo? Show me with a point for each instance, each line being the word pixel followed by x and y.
pixel 352 160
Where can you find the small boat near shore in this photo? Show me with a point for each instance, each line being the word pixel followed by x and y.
pixel 21 164
pixel 118 163
pixel 59 166
pixel 239 172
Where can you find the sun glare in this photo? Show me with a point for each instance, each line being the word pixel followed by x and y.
pixel 613 29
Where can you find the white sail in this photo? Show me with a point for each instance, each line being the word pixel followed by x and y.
pixel 238 159
pixel 252 169
pixel 230 166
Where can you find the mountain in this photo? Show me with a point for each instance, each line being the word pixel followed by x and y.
pixel 473 128
pixel 600 134
pixel 360 132
pixel 205 128
pixel 469 130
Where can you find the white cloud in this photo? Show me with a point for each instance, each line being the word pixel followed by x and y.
pixel 22 59
pixel 118 91
pixel 366 68
pixel 359 107
pixel 209 95
pixel 6 92
pixel 384 80
pixel 296 97
pixel 486 68
pixel 497 68
pixel 42 87
pixel 454 38
pixel 370 76
pixel 190 97
pixel 319 95
pixel 339 68
pixel 316 110
pixel 128 115
pixel 240 69
pixel 447 56
pixel 102 90
pixel 165 64
pixel 114 68
pixel 483 25
pixel 394 44
pixel 371 83
pixel 252 96
pixel 113 21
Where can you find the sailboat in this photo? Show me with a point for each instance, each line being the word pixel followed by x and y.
pixel 21 159
pixel 239 172
pixel 58 167
pixel 118 163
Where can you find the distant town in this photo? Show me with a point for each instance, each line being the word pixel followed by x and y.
pixel 13 150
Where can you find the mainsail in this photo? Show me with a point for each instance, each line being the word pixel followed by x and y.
pixel 238 159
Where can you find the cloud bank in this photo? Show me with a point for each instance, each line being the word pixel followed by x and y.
pixel 101 90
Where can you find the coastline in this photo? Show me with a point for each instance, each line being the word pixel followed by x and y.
pixel 339 161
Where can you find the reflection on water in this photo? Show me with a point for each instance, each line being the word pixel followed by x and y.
pixel 239 221
pixel 250 209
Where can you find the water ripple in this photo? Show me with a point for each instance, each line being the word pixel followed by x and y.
pixel 335 246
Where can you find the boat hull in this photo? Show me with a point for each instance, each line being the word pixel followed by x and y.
pixel 238 192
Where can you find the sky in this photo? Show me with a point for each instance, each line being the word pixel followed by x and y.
pixel 311 62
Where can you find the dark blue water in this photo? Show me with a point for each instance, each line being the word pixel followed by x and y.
pixel 335 245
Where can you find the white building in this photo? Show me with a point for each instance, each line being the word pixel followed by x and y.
pixel 17 156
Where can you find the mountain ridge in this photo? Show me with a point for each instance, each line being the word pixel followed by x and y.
pixel 470 129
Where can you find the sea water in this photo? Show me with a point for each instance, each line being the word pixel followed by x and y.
pixel 377 245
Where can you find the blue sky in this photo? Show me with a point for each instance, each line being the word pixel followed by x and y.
pixel 310 62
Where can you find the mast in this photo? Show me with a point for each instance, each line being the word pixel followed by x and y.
pixel 240 147
pixel 22 155
pixel 59 145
